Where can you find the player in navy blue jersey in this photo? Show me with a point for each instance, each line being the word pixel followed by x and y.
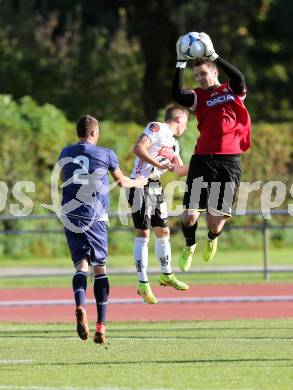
pixel 85 203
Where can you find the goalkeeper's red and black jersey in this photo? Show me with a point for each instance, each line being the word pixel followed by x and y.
pixel 223 121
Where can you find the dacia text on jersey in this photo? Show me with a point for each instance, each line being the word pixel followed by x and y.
pixel 227 97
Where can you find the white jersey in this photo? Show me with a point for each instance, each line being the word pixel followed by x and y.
pixel 164 147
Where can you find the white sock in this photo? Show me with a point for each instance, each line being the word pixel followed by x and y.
pixel 163 253
pixel 140 254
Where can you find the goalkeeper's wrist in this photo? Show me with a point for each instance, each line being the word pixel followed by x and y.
pixel 181 64
pixel 213 56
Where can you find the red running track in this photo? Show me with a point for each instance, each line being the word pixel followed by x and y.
pixel 158 312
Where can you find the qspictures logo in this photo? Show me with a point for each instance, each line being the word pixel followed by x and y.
pixel 272 194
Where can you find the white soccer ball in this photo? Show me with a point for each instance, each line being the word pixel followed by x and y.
pixel 191 46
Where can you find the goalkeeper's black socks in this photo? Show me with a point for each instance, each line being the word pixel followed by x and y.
pixel 189 233
pixel 212 236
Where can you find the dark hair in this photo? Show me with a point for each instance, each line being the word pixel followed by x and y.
pixel 172 111
pixel 85 125
pixel 204 61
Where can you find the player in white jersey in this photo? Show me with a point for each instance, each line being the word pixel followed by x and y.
pixel 157 151
pixel 163 148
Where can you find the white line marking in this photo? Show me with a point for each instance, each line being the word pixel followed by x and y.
pixel 240 299
pixel 15 362
pixel 8 387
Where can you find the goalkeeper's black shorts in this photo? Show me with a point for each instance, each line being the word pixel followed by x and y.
pixel 212 183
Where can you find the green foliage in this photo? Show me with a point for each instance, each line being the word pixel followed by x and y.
pixel 116 60
pixel 59 55
pixel 121 138
pixel 31 137
pixel 270 158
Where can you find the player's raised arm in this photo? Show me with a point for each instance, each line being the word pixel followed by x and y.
pixel 126 182
pixel 182 96
pixel 237 79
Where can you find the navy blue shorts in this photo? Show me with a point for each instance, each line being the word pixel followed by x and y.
pixel 91 243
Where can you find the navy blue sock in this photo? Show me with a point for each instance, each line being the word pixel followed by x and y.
pixel 189 233
pixel 101 291
pixel 79 285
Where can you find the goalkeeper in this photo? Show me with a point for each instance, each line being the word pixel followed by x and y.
pixel 224 126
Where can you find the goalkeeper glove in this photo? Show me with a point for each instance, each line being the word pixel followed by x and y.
pixel 210 51
pixel 181 58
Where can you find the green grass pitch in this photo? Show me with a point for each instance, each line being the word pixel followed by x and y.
pixel 202 355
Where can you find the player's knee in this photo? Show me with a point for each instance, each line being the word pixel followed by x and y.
pixel 216 226
pixel 82 266
pixel 99 270
pixel 189 220
pixel 144 233
pixel 162 231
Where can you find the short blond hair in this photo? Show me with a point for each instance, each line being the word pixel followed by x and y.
pixel 172 111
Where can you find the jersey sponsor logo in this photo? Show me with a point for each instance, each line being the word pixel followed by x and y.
pixel 154 127
pixel 227 97
pixel 166 152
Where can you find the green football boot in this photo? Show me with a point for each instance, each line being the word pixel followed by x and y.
pixel 185 258
pixel 172 281
pixel 210 249
pixel 145 291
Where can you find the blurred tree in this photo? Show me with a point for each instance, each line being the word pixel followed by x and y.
pixel 31 137
pixel 115 58
pixel 154 23
pixel 72 55
pixel 40 131
pixel 270 70
pixel 159 24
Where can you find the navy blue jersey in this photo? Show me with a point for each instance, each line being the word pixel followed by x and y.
pixel 86 186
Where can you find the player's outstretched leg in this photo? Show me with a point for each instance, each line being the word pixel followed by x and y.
pixel 101 292
pixel 145 291
pixel 79 285
pixel 172 281
pixel 81 323
pixel 140 253
pixel 163 253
